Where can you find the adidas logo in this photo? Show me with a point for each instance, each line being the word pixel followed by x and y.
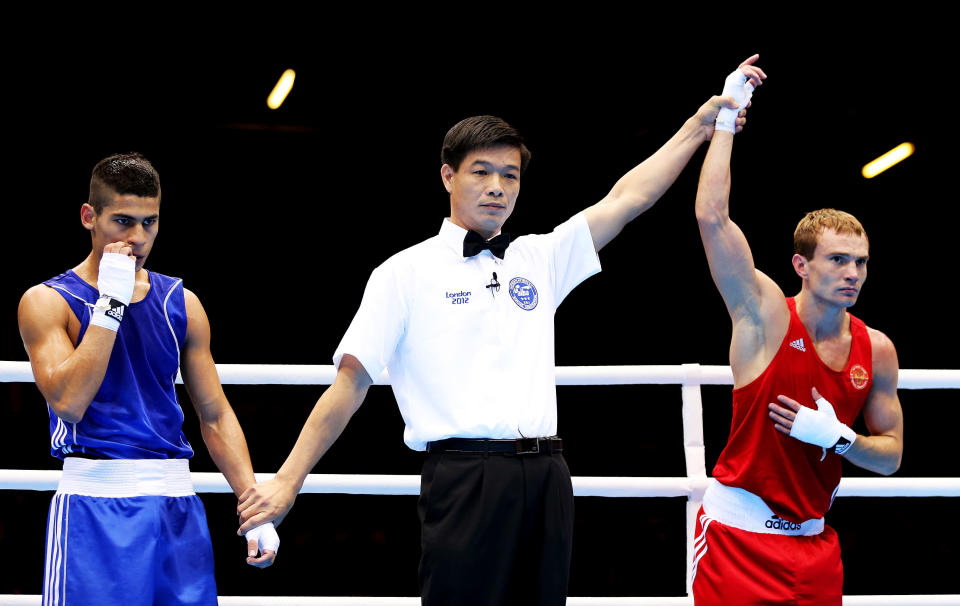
pixel 798 344
pixel 116 312
pixel 776 523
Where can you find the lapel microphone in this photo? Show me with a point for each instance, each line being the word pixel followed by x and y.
pixel 494 285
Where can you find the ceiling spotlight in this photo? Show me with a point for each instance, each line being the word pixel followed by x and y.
pixel 281 90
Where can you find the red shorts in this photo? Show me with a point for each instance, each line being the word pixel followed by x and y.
pixel 733 566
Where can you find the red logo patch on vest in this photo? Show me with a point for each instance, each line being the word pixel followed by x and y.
pixel 859 376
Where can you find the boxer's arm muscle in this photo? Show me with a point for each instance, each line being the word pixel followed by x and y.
pixel 755 303
pixel 67 376
pixel 882 450
pixel 218 424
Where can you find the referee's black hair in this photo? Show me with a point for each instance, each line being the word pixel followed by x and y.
pixel 122 174
pixel 480 132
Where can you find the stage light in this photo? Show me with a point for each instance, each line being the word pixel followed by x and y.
pixel 898 153
pixel 281 90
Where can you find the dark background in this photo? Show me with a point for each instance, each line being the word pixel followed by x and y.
pixel 276 218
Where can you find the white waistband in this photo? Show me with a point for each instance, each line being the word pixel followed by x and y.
pixel 742 509
pixel 126 477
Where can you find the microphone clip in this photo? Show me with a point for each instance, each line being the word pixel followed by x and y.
pixel 494 285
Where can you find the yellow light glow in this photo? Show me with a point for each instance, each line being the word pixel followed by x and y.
pixel 898 153
pixel 281 90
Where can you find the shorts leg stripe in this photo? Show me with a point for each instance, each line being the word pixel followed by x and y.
pixel 58 554
pixel 66 535
pixel 52 572
pixel 55 549
pixel 51 519
pixel 702 539
pixel 58 561
pixel 704 522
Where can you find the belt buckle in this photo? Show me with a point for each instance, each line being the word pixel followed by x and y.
pixel 528 446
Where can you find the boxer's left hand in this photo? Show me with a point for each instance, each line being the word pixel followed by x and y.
pixel 263 540
pixel 818 426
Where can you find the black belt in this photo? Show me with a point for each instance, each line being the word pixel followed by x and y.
pixel 522 446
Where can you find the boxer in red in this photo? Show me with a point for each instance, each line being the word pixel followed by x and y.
pixel 803 370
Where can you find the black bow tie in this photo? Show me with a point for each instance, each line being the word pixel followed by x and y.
pixel 474 244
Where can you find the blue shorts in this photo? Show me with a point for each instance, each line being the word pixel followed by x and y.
pixel 151 550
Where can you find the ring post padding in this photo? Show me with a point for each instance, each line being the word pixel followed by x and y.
pixel 693 451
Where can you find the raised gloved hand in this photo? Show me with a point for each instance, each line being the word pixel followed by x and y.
pixel 740 89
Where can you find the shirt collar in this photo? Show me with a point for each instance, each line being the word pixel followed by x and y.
pixel 452 236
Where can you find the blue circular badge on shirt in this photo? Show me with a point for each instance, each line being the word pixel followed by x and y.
pixel 524 293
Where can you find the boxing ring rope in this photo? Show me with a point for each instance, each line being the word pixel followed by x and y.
pixel 689 376
pixel 856 600
pixel 583 486
pixel 317 374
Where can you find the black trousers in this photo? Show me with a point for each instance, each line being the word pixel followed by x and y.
pixel 496 529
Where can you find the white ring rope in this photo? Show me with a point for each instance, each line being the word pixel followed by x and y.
pixel 848 600
pixel 583 486
pixel 855 600
pixel 689 376
pixel 318 374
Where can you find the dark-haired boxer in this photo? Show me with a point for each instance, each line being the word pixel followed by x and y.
pixel 106 340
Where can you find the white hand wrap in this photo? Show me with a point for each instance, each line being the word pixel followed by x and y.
pixel 266 537
pixel 737 86
pixel 821 427
pixel 115 281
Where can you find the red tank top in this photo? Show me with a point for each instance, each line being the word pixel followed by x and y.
pixel 785 472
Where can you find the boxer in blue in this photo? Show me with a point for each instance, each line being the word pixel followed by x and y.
pixel 105 341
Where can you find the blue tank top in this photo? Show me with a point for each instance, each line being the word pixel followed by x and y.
pixel 135 414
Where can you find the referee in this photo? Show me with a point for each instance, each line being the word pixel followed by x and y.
pixel 466 309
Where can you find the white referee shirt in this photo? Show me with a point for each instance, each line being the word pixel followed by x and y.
pixel 466 360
